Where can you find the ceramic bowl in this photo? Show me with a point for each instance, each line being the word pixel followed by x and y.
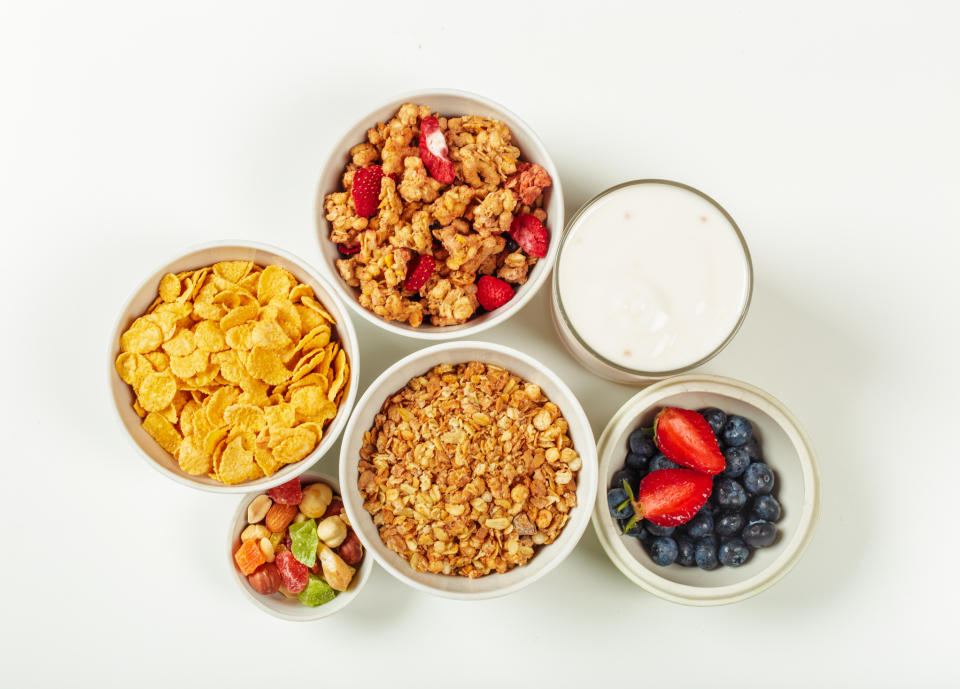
pixel 205 255
pixel 785 448
pixel 451 103
pixel 278 605
pixel 395 378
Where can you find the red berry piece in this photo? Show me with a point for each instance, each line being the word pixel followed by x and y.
pixel 366 190
pixel 434 152
pixel 530 234
pixel 347 249
pixel 288 493
pixel 671 497
pixel 421 268
pixel 293 572
pixel 492 293
pixel 685 437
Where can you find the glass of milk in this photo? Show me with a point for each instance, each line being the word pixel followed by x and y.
pixel 653 279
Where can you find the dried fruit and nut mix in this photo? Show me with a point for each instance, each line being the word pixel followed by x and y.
pixel 429 205
pixel 467 470
pixel 298 542
pixel 236 369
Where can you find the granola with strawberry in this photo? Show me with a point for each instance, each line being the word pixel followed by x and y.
pixel 431 204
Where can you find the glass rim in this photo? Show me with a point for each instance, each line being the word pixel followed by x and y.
pixel 558 301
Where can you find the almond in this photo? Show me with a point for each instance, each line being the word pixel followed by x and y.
pixel 279 517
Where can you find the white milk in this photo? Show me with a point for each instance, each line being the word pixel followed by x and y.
pixel 653 277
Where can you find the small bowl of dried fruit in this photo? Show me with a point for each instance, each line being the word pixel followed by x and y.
pixel 468 470
pixel 437 215
pixel 709 490
pixel 293 551
pixel 233 367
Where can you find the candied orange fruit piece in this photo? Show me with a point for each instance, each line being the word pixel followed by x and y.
pixel 249 557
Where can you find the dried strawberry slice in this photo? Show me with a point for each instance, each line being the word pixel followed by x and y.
pixel 366 190
pixel 492 293
pixel 288 493
pixel 527 231
pixel 348 249
pixel 293 572
pixel 434 152
pixel 420 271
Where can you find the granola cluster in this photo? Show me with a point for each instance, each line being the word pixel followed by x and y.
pixel 467 470
pixel 462 224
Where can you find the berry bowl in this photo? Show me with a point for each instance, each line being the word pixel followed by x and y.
pixel 445 102
pixel 785 449
pixel 204 255
pixel 549 555
pixel 277 604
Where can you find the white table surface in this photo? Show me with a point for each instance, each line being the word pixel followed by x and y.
pixel 131 130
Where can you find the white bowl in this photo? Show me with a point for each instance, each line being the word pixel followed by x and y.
pixel 205 255
pixel 785 448
pixel 451 103
pixel 279 605
pixel 395 378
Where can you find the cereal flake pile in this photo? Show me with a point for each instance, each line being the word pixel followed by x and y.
pixel 438 217
pixel 467 470
pixel 235 368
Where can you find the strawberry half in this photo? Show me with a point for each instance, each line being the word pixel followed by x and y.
pixel 366 190
pixel 492 293
pixel 530 234
pixel 685 437
pixel 420 271
pixel 434 152
pixel 671 497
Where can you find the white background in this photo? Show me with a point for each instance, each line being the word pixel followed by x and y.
pixel 830 132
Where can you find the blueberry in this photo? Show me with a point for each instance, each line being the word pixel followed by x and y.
pixel 664 551
pixel 759 534
pixel 658 530
pixel 730 523
pixel 701 525
pixel 511 246
pixel 686 548
pixel 710 506
pixel 636 463
pixel 636 530
pixel 705 553
pixel 730 494
pixel 752 448
pixel 766 508
pixel 641 443
pixel 715 418
pixel 619 503
pixel 737 461
pixel 737 431
pixel 661 462
pixel 758 478
pixel 733 553
pixel 625 474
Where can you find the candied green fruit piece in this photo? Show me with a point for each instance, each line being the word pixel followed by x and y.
pixel 317 592
pixel 304 539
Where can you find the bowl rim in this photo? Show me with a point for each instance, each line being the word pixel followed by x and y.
pixel 240 515
pixel 588 456
pixel 348 340
pixel 793 550
pixel 441 333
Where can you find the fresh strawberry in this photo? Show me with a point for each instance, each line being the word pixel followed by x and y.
pixel 530 234
pixel 421 268
pixel 670 497
pixel 366 190
pixel 347 249
pixel 434 152
pixel 686 438
pixel 492 293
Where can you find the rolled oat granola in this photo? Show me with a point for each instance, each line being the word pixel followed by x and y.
pixel 453 190
pixel 467 470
